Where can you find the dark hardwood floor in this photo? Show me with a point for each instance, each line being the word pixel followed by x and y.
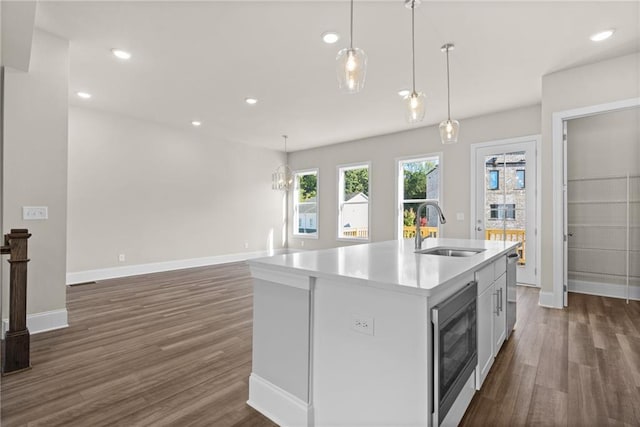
pixel 574 367
pixel 175 349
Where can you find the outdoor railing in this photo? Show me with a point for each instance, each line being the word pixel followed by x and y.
pixel 410 231
pixel 358 233
pixel 514 235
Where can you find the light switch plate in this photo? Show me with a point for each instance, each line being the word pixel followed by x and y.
pixel 35 212
pixel 460 216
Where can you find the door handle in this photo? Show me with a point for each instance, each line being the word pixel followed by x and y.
pixel 497 312
pixel 479 229
pixel 500 299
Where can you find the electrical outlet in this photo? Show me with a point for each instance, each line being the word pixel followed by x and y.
pixel 362 324
pixel 246 245
pixel 302 243
pixel 35 212
pixel 460 216
pixel 121 257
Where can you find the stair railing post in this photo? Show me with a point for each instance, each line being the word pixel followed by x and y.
pixel 17 341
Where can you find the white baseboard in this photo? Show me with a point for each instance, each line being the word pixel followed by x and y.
pixel 278 405
pixel 42 322
pixel 157 267
pixel 604 289
pixel 547 299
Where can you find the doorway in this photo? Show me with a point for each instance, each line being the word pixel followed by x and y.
pixel 560 225
pixel 504 198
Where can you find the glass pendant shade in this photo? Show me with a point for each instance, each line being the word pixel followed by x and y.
pixel 351 67
pixel 415 107
pixel 449 131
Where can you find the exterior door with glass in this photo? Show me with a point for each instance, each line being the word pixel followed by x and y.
pixel 505 199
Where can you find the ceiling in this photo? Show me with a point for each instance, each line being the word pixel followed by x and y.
pixel 200 60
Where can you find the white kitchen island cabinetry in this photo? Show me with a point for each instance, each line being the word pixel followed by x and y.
pixel 492 322
pixel 343 336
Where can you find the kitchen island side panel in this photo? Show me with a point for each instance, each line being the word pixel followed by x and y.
pixel 281 336
pixel 363 379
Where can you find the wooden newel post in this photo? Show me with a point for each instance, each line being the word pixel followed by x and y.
pixel 16 344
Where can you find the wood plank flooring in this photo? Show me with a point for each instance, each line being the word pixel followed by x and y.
pixel 174 349
pixel 574 367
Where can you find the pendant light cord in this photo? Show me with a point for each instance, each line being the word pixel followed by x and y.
pixel 351 34
pixel 285 143
pixel 448 89
pixel 413 44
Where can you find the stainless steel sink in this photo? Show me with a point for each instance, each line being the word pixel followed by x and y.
pixel 454 252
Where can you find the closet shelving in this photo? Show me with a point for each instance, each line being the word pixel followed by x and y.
pixel 604 225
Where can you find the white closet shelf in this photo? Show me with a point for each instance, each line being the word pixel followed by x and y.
pixel 602 178
pixel 602 249
pixel 604 225
pixel 602 274
pixel 600 202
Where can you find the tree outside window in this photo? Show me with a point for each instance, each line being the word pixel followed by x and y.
pixel 419 181
pixel 353 195
pixel 305 203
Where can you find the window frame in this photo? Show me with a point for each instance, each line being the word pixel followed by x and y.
pixel 340 200
pixel 296 204
pixel 400 188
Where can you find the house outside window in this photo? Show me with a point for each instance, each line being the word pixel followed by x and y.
pixel 353 202
pixel 305 203
pixel 503 211
pixel 418 182
pixel 519 179
pixel 494 180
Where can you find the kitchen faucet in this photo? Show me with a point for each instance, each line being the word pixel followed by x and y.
pixel 443 220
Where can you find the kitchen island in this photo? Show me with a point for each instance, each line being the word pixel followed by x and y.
pixel 343 336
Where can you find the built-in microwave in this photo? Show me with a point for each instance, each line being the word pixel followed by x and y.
pixel 455 347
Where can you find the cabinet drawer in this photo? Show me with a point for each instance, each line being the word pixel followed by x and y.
pixel 485 277
pixel 500 267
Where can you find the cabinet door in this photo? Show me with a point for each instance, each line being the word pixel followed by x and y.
pixel 486 312
pixel 500 318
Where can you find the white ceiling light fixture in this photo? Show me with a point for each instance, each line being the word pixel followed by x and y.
pixel 449 128
pixel 251 101
pixel 83 95
pixel 121 54
pixel 282 178
pixel 330 37
pixel 196 123
pixel 602 35
pixel 415 100
pixel 351 65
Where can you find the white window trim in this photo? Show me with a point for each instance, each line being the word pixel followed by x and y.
pixel 400 184
pixel 347 166
pixel 294 224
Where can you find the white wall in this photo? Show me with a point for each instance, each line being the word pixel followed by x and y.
pixel 35 168
pixel 383 152
pixel 606 81
pixel 158 194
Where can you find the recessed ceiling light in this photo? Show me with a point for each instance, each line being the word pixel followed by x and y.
pixel 84 95
pixel 121 54
pixel 602 35
pixel 404 92
pixel 196 123
pixel 330 37
pixel 250 101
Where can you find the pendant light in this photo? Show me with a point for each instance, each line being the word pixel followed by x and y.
pixel 351 65
pixel 449 128
pixel 282 178
pixel 415 100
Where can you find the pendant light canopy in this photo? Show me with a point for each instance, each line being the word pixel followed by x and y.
pixel 282 178
pixel 449 128
pixel 351 65
pixel 415 100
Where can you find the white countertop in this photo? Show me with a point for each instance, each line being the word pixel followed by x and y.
pixel 392 264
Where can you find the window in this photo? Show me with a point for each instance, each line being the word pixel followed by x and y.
pixel 503 211
pixel 418 181
pixel 494 180
pixel 305 203
pixel 519 179
pixel 353 202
